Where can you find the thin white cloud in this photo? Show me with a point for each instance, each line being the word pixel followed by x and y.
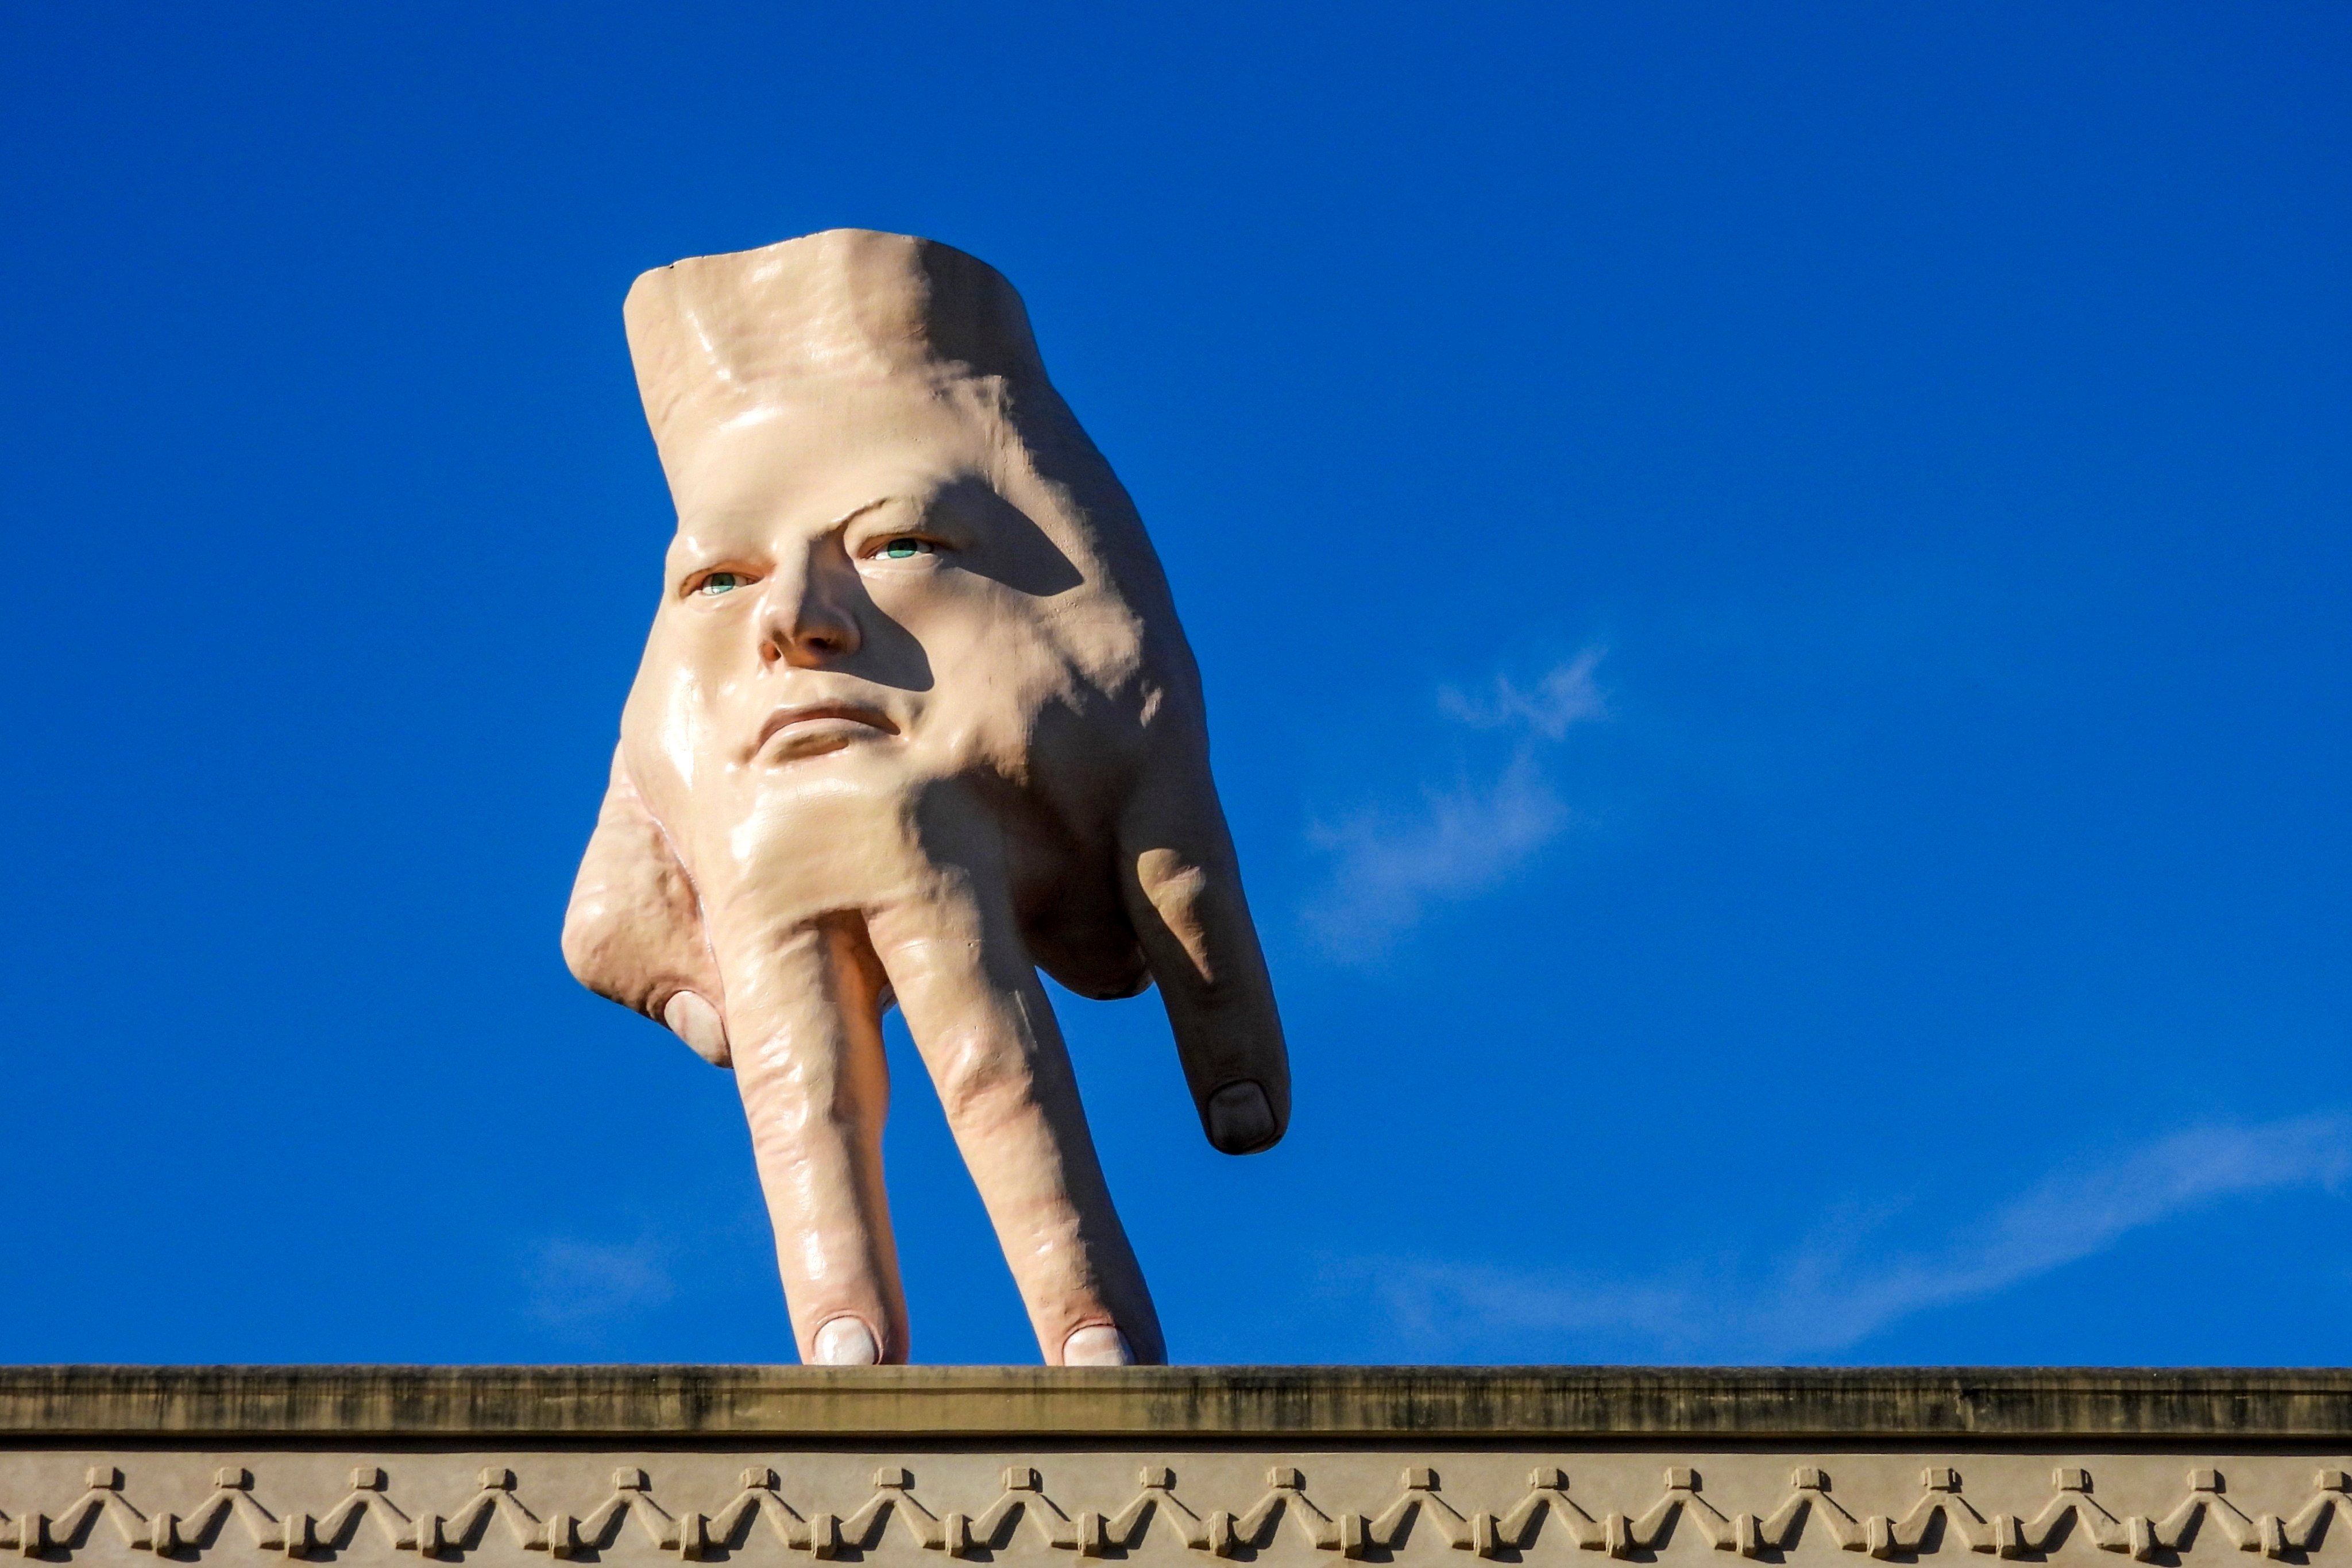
pixel 1851 1279
pixel 1565 696
pixel 1389 866
pixel 585 1285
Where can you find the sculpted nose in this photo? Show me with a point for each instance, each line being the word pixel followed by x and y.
pixel 808 620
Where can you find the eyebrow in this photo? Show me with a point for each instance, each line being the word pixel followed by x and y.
pixel 853 513
pixel 842 522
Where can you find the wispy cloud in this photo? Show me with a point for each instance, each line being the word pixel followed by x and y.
pixel 582 1286
pixel 1565 696
pixel 1856 1276
pixel 1390 865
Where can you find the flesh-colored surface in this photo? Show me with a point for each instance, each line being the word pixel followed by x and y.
pixel 915 720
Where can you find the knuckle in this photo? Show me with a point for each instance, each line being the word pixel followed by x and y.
pixel 978 1080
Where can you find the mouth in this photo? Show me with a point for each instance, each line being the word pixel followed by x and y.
pixel 809 729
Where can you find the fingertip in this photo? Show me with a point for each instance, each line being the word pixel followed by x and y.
pixel 1098 1344
pixel 1241 1119
pixel 846 1342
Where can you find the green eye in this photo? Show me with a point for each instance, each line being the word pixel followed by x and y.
pixel 904 549
pixel 720 582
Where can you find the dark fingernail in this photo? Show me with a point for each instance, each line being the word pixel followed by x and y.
pixel 1240 1119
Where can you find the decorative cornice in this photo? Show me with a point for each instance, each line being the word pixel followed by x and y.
pixel 759 1517
pixel 1176 1403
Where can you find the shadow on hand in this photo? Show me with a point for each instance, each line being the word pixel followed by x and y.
pixel 1008 546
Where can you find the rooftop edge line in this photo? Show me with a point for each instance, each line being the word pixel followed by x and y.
pixel 1275 1403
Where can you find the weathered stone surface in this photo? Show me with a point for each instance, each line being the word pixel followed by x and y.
pixel 1172 1464
pixel 1214 1403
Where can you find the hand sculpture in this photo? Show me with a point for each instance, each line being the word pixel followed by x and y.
pixel 915 720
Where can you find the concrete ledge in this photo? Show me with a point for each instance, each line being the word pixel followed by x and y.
pixel 1174 1405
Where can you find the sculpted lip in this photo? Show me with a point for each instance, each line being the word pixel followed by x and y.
pixel 784 719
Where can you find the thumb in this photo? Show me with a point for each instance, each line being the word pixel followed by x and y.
pixel 633 929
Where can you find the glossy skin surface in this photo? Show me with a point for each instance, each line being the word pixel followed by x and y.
pixel 915 719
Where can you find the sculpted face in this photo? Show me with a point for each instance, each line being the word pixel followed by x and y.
pixel 848 583
pixel 914 718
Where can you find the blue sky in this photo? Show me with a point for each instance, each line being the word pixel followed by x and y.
pixel 1772 581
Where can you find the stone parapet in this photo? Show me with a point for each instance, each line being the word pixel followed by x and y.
pixel 910 1465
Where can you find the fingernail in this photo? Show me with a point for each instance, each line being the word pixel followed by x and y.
pixel 1239 1119
pixel 696 1022
pixel 1098 1346
pixel 845 1342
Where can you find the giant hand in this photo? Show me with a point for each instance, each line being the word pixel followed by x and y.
pixel 915 720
